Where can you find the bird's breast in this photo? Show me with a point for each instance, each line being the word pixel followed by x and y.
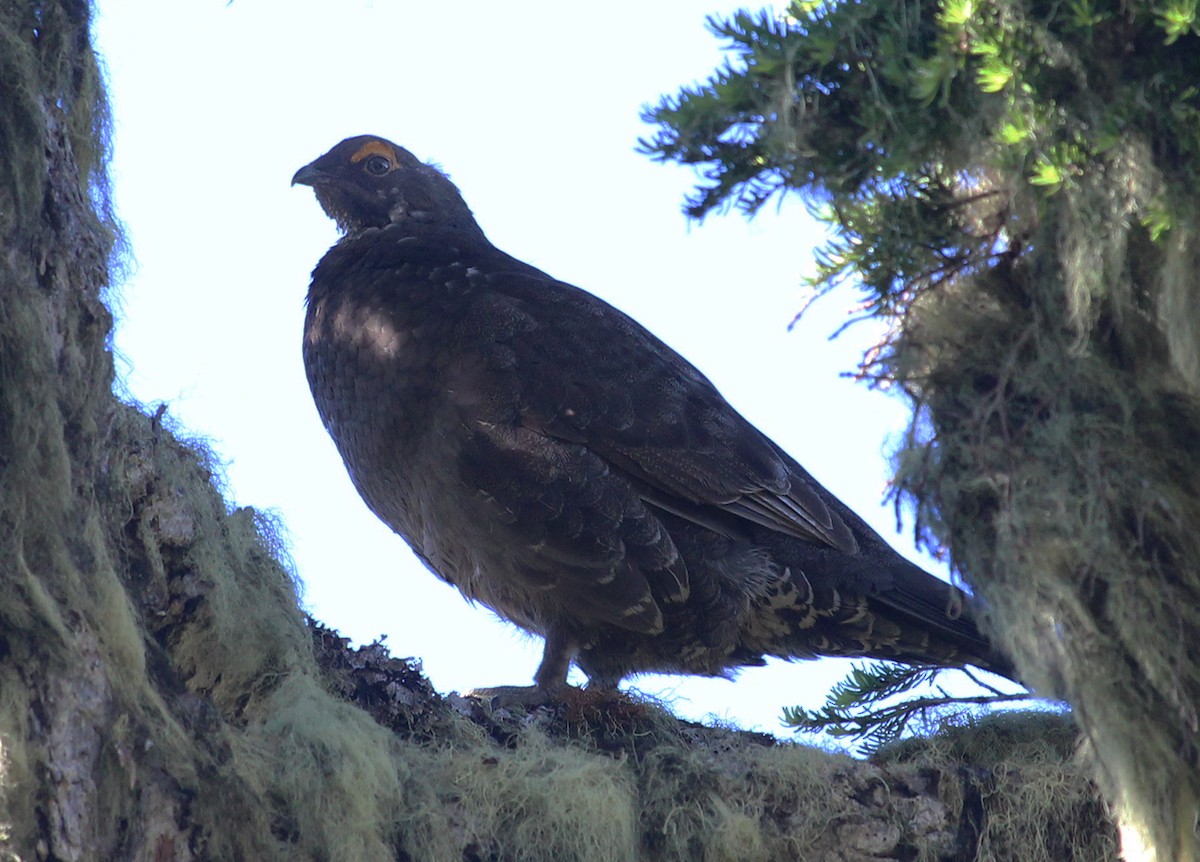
pixel 369 335
pixel 377 373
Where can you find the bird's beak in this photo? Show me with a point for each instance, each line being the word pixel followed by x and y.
pixel 309 175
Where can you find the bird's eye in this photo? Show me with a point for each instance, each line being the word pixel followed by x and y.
pixel 377 165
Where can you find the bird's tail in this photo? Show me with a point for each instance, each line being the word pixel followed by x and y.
pixel 910 617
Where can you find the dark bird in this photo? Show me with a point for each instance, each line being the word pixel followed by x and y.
pixel 555 461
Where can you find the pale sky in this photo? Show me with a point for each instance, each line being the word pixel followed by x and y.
pixel 533 110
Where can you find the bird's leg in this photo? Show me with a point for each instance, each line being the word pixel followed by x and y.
pixel 550 681
pixel 556 661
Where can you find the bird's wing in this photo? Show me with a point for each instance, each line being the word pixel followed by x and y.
pixel 574 368
pixel 589 374
pixel 572 530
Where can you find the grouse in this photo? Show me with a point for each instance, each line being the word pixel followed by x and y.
pixel 558 463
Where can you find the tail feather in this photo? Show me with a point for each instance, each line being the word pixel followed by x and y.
pixel 920 620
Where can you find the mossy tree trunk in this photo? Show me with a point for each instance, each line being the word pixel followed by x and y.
pixel 1011 186
pixel 56 690
pixel 163 698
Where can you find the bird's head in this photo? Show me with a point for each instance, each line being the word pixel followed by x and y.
pixel 367 181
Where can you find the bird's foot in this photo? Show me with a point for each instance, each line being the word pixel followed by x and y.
pixel 526 696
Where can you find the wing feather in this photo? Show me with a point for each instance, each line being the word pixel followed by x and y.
pixel 649 413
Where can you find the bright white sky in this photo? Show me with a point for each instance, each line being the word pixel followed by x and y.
pixel 533 109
